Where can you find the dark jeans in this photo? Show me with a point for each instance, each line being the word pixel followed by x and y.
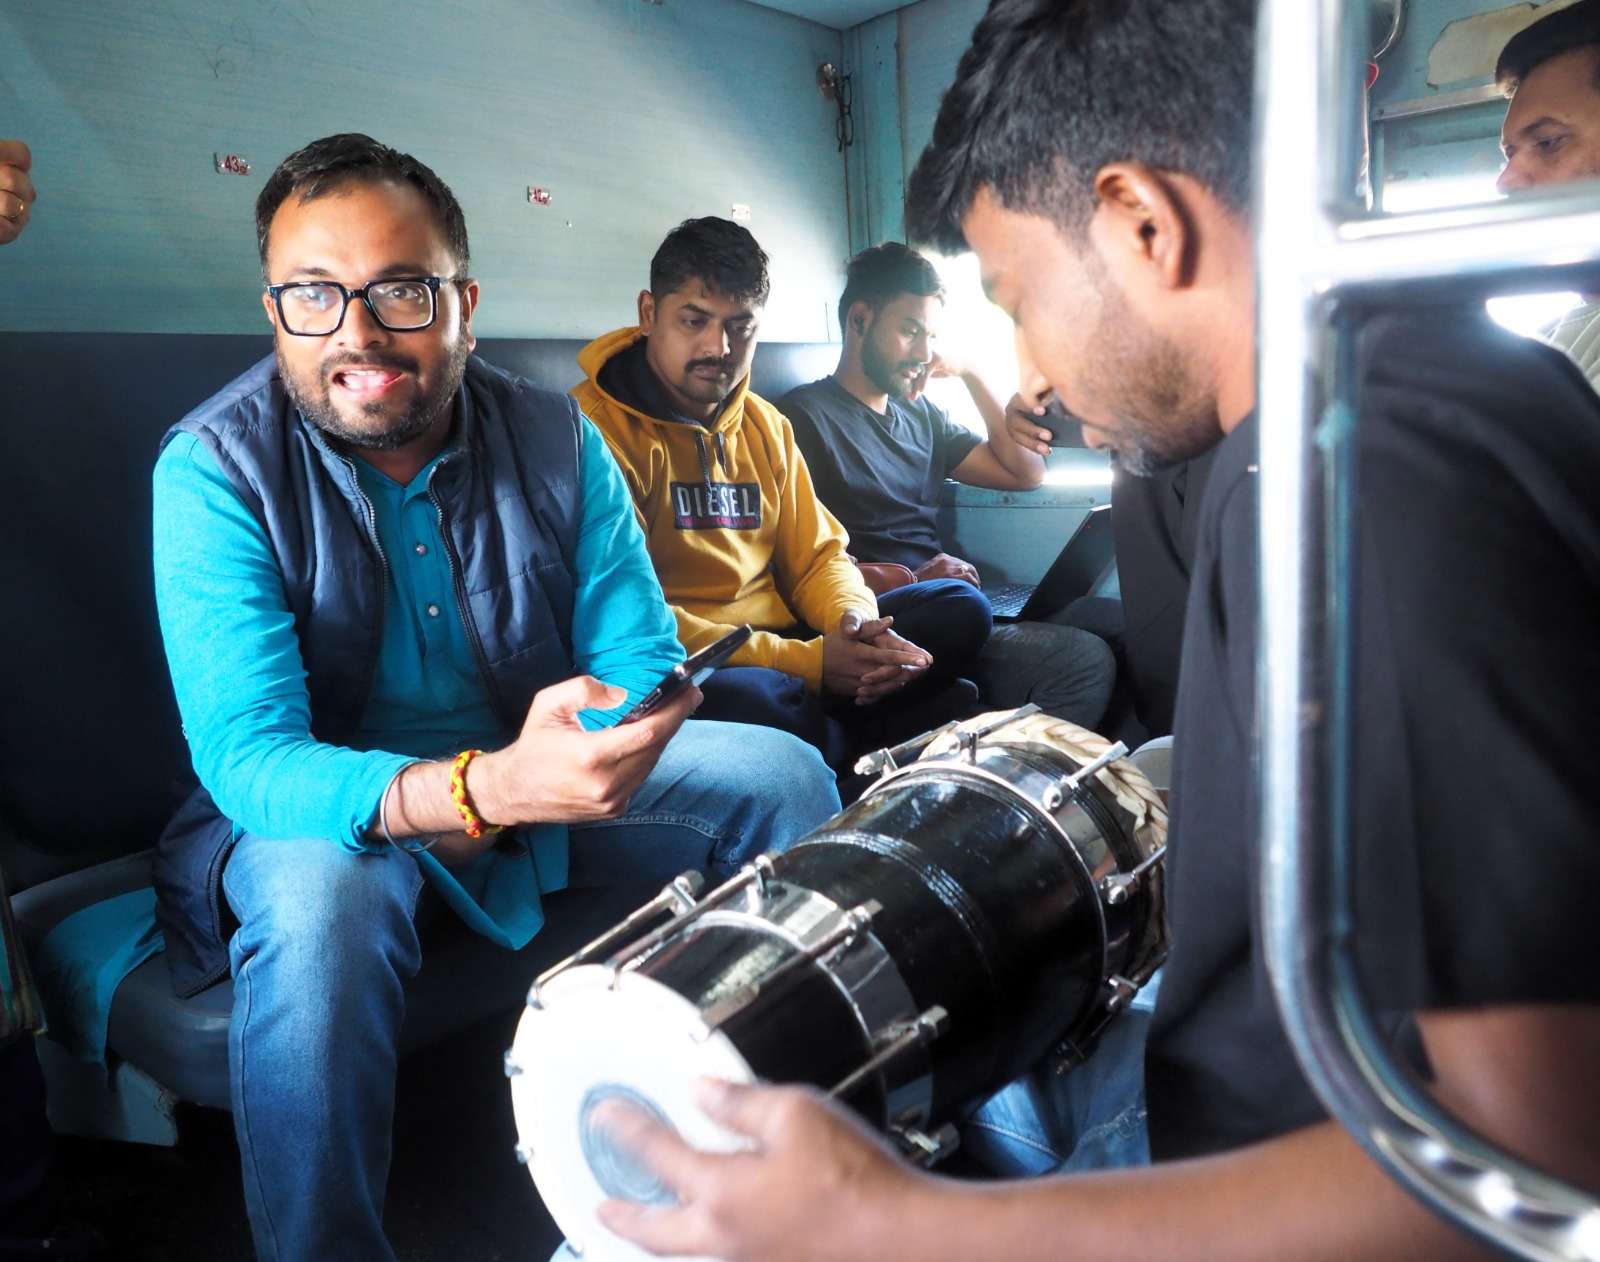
pixel 945 616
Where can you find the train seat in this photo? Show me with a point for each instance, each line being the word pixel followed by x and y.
pixel 92 758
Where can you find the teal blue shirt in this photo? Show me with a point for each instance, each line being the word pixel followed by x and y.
pixel 240 682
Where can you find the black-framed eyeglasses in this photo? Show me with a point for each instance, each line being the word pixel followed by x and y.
pixel 315 308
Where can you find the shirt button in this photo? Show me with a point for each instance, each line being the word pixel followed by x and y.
pixel 422 549
pixel 433 611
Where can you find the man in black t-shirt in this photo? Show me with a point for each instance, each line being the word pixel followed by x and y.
pixel 1109 212
pixel 879 451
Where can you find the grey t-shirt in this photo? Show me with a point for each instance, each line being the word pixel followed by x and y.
pixel 879 475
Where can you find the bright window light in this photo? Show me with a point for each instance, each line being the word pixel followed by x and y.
pixel 976 331
pixel 1531 314
pixel 1079 476
pixel 1403 196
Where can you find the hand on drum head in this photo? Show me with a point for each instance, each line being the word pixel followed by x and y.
pixel 817 1185
pixel 557 772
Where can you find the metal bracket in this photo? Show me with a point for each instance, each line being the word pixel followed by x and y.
pixel 883 761
pixel 1118 888
pixel 923 1148
pixel 676 899
pixel 1071 786
pixel 917 1033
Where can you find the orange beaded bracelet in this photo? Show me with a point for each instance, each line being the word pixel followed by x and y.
pixel 474 825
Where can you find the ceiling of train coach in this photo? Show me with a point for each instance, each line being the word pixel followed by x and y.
pixel 839 14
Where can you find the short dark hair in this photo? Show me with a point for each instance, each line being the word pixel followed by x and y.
pixel 719 252
pixel 1051 91
pixel 1576 26
pixel 327 164
pixel 881 273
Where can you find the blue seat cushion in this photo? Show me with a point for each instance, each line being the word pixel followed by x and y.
pixel 183 1043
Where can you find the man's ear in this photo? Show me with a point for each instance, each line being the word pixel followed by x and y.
pixel 271 308
pixel 470 294
pixel 859 316
pixel 1144 220
pixel 647 310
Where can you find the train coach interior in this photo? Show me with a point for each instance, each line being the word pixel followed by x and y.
pixel 575 134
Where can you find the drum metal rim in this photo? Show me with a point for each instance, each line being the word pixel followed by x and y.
pixel 560 1176
pixel 878 996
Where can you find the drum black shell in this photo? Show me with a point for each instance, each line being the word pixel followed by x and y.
pixel 987 905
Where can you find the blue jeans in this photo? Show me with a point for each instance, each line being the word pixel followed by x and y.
pixel 1092 1118
pixel 949 618
pixel 327 940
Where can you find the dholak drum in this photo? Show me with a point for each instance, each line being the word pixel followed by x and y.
pixel 991 903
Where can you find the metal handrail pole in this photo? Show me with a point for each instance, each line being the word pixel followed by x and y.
pixel 1307 385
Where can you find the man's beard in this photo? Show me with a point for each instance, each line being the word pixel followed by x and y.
pixel 316 403
pixel 880 370
pixel 1163 415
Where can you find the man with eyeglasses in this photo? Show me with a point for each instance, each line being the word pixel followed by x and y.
pixel 376 556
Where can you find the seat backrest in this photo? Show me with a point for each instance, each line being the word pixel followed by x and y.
pixel 92 759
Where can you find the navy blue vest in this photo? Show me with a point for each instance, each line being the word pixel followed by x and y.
pixel 508 497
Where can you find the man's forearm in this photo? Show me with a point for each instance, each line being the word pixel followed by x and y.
pixel 419 802
pixel 1026 466
pixel 1308 1196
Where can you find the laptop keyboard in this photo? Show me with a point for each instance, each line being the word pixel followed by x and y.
pixel 1008 599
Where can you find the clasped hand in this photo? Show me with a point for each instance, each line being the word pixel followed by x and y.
pixel 865 660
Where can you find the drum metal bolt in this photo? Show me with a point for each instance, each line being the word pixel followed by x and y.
pixel 524 1154
pixel 534 1001
pixel 926 1149
pixel 509 1064
pixel 1116 890
pixel 685 890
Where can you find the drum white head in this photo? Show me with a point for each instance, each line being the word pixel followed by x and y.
pixel 590 1042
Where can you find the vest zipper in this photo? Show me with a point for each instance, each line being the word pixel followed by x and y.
pixel 460 586
pixel 383 579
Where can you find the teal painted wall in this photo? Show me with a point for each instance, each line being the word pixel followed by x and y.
pixel 933 35
pixel 875 161
pixel 902 63
pixel 635 115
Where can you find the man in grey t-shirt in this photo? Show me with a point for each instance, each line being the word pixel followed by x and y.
pixel 878 451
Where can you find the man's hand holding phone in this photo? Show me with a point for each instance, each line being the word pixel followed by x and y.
pixel 557 772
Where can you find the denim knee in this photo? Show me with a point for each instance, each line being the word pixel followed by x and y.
pixel 785 787
pixel 320 919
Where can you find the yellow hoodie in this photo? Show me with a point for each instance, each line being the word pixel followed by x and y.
pixel 735 530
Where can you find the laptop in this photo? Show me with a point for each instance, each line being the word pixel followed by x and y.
pixel 1076 571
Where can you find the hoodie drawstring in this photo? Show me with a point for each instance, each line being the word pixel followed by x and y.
pixel 705 459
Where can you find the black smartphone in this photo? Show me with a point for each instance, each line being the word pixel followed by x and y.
pixel 1066 430
pixel 692 671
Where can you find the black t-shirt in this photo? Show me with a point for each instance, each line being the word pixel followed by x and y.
pixel 1477 811
pixel 1154 522
pixel 879 475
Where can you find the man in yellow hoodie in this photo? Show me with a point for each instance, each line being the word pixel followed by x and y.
pixel 736 531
